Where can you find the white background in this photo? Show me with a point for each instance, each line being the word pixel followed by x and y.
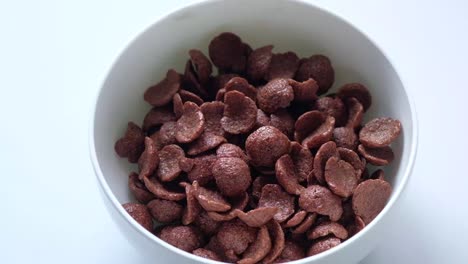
pixel 53 56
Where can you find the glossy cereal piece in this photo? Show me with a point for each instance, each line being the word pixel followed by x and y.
pixel 305 91
pixel 235 235
pixel 328 228
pixel 210 200
pixel 345 137
pixel 155 187
pixel 340 177
pixel 265 145
pixel 277 238
pixel 353 159
pixel 241 85
pixel 302 159
pixel 258 249
pixel 228 150
pixel 207 141
pixel 201 65
pixel 169 157
pixel 274 196
pixel 286 175
pixel 332 106
pixel 256 217
pixel 165 211
pixel 358 91
pixel 187 96
pixel 325 152
pixel 162 93
pixel 238 203
pixel 177 106
pixel 191 124
pixel 282 65
pixel 213 112
pixel 319 68
pixel 140 213
pixel 193 208
pixel 274 95
pixel 321 135
pixel 227 52
pixel 318 199
pixel 292 251
pixel 158 116
pixel 323 245
pixel 369 198
pixel 296 219
pixel 377 156
pixel 187 238
pixel 307 123
pixel 205 253
pixel 138 189
pixel 240 113
pixel 380 132
pixel 149 159
pixel 132 144
pixel 378 174
pixel 258 62
pixel 305 225
pixel 283 121
pixel 232 176
pixel 201 169
pixel 355 112
pixel 208 226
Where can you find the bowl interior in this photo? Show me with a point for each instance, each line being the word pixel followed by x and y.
pixel 288 25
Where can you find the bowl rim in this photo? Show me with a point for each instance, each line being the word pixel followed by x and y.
pixel 151 237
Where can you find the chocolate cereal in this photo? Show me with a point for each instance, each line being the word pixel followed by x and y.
pixel 162 93
pixel 274 95
pixel 244 158
pixel 240 113
pixel 232 176
pixel 131 145
pixel 379 132
pixel 140 213
pixel 258 62
pixel 191 124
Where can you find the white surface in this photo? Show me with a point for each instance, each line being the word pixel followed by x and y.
pixel 54 55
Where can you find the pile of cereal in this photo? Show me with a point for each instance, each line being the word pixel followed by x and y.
pixel 251 165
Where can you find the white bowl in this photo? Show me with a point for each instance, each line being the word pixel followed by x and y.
pixel 289 25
